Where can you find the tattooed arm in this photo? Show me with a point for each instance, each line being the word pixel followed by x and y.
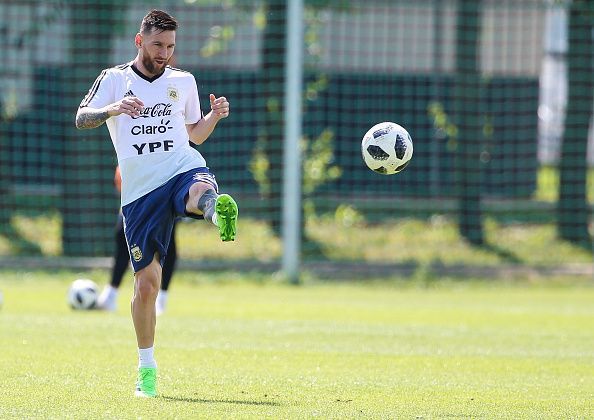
pixel 88 117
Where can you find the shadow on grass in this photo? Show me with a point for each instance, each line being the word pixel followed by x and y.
pixel 19 244
pixel 584 243
pixel 221 401
pixel 505 254
pixel 311 249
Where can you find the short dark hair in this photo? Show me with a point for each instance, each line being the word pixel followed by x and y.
pixel 159 20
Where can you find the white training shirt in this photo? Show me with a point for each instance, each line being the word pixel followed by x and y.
pixel 154 147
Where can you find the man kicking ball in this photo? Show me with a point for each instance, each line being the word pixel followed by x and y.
pixel 151 111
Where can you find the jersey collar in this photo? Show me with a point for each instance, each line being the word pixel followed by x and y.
pixel 148 79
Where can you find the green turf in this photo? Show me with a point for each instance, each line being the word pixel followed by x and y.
pixel 245 346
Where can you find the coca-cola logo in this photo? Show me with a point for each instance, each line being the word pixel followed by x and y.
pixel 157 110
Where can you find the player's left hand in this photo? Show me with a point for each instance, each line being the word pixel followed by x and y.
pixel 219 106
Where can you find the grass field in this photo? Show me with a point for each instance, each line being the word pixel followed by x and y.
pixel 247 346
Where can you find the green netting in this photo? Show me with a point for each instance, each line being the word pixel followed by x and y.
pixel 497 96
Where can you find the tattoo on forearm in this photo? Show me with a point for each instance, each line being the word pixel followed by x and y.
pixel 90 118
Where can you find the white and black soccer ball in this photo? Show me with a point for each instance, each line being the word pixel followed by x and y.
pixel 83 294
pixel 387 148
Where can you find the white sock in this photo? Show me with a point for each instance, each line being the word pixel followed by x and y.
pixel 111 291
pixel 162 295
pixel 161 302
pixel 107 298
pixel 214 219
pixel 146 358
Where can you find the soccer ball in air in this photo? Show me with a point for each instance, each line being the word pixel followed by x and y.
pixel 83 294
pixel 387 148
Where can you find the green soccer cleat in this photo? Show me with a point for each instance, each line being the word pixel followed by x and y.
pixel 146 384
pixel 226 209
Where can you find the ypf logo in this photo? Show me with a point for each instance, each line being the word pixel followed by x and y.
pixel 153 146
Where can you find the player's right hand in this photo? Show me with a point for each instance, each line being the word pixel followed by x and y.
pixel 130 105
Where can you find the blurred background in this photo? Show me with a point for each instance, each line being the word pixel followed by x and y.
pixel 497 96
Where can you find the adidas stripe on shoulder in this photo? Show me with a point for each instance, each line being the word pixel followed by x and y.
pixel 176 69
pixel 87 99
pixel 93 91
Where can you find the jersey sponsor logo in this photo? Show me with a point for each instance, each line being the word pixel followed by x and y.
pixel 141 129
pixel 158 110
pixel 153 146
pixel 136 253
pixel 129 93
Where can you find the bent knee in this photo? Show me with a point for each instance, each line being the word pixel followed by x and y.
pixel 146 291
pixel 148 281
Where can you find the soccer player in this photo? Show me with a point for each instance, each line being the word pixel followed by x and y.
pixel 152 110
pixel 107 300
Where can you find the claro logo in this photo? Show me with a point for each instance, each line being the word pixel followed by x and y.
pixel 138 130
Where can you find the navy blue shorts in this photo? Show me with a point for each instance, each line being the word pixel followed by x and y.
pixel 148 221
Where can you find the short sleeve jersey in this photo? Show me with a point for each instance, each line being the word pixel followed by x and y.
pixel 153 147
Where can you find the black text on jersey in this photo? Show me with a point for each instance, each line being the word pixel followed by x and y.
pixel 154 146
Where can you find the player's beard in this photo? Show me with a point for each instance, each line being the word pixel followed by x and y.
pixel 152 66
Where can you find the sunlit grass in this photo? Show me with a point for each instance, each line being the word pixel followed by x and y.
pixel 251 347
pixel 438 239
pixel 435 239
pixel 255 241
pixel 347 235
pixel 548 184
pixel 33 235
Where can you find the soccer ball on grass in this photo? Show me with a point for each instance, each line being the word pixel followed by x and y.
pixel 83 294
pixel 387 148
